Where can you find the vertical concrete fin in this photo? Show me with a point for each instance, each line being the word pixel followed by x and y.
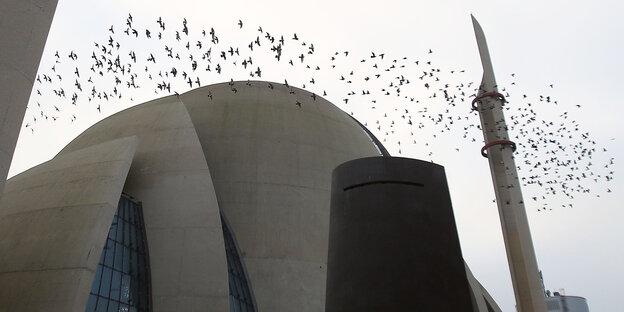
pixel 170 176
pixel 24 27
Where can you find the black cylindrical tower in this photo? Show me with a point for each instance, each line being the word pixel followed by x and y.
pixel 393 243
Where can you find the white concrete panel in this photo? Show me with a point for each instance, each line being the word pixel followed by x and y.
pixel 169 175
pixel 54 219
pixel 271 163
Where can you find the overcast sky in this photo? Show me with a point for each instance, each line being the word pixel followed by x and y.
pixel 573 45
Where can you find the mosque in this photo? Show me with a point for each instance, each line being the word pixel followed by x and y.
pixel 210 200
pixel 263 199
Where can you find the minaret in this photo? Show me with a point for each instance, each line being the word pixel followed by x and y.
pixel 499 150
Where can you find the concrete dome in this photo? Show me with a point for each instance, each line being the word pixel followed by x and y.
pixel 271 162
pixel 260 154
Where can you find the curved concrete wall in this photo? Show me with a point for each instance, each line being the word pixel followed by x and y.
pixel 393 241
pixel 54 220
pixel 170 176
pixel 24 27
pixel 271 163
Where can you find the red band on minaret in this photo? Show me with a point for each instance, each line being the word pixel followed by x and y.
pixel 499 142
pixel 484 95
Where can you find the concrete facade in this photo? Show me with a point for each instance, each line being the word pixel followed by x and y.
pixel 270 161
pixel 24 27
pixel 54 220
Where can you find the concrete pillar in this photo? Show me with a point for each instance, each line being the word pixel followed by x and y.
pixel 393 243
pixel 24 27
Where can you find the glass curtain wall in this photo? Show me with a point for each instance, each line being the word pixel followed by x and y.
pixel 241 297
pixel 122 279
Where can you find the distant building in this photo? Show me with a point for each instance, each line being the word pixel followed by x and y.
pixel 214 200
pixel 562 303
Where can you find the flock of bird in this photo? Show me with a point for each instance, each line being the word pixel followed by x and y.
pixel 392 96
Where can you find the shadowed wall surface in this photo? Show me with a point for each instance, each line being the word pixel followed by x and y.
pixel 393 243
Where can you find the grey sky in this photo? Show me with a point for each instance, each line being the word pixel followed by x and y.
pixel 573 45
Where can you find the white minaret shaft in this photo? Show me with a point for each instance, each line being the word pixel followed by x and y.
pixel 527 285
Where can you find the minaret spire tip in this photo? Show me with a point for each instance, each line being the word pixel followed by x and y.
pixel 488 83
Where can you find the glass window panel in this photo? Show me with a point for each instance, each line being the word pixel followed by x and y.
pixel 142 270
pixel 102 305
pixel 233 268
pixel 142 301
pixel 112 231
pixel 107 275
pixel 129 212
pixel 133 238
pixel 139 244
pixel 126 238
pixel 116 286
pixel 96 280
pixel 241 305
pixel 119 252
pixel 231 285
pixel 132 217
pixel 126 284
pixel 239 285
pixel 246 295
pixel 109 252
pixel 113 306
pixel 119 229
pixel 91 303
pixel 126 261
pixel 240 294
pixel 134 264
